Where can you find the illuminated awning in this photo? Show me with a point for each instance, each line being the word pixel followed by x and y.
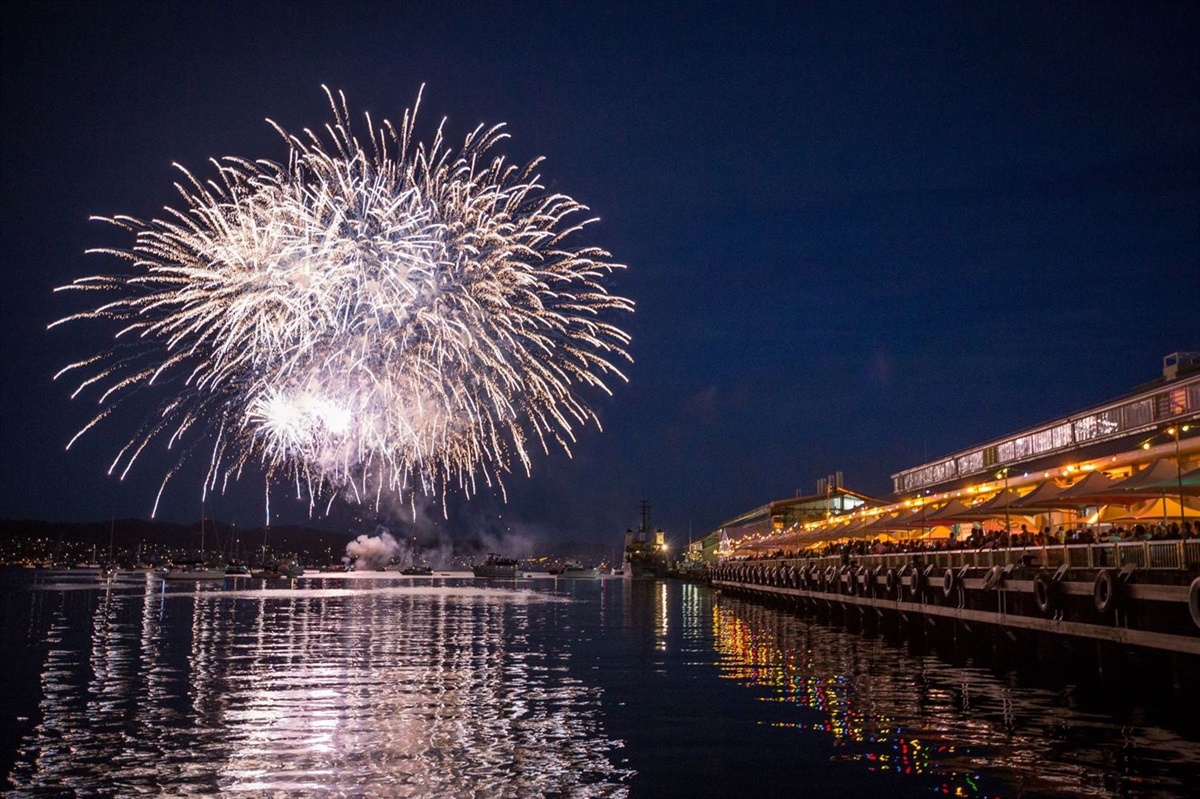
pixel 1096 488
pixel 1157 510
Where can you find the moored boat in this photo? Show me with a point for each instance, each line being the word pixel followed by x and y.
pixel 497 566
pixel 286 570
pixel 421 570
pixel 574 570
pixel 191 571
pixel 645 551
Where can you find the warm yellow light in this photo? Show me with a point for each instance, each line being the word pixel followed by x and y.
pixel 1146 445
pixel 1170 431
pixel 1071 468
pixel 1087 467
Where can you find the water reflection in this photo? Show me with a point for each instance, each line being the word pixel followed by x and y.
pixel 973 734
pixel 332 689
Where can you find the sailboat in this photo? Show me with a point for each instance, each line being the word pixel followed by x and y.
pixel 193 570
pixel 108 569
pixel 235 567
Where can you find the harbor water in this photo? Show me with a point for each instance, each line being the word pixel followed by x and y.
pixel 381 685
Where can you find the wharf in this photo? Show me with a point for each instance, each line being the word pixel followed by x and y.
pixel 1139 594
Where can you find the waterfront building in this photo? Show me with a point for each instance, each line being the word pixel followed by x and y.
pixel 1149 422
pixel 1105 464
pixel 1081 527
pixel 831 501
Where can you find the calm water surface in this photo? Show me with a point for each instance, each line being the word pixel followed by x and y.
pixel 386 686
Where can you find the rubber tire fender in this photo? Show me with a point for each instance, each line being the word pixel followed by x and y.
pixel 1045 593
pixel 1104 593
pixel 916 583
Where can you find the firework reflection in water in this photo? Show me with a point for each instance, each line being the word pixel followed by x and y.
pixel 372 317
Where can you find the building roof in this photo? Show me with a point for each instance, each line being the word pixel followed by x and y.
pixel 1114 426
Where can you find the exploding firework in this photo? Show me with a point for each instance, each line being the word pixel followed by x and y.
pixel 378 317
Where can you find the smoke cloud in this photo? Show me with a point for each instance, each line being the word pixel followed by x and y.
pixel 372 551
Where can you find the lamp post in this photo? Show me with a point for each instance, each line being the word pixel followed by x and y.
pixel 1007 526
pixel 1174 430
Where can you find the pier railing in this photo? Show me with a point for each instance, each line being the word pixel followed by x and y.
pixel 1142 554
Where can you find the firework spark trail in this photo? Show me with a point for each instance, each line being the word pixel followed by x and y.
pixel 387 318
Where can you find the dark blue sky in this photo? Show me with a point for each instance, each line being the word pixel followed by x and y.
pixel 859 235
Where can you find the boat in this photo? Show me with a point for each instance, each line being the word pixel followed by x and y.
pixel 108 569
pixel 291 569
pixel 574 570
pixel 286 570
pixel 645 552
pixel 196 568
pixel 417 570
pixel 237 570
pixel 497 566
pixel 191 571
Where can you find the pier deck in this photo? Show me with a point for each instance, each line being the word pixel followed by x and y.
pixel 1144 594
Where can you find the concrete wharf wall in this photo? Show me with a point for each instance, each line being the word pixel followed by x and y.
pixel 1142 594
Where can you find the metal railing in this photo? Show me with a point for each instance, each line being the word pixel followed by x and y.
pixel 1142 554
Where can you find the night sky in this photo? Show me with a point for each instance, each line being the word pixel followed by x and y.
pixel 859 235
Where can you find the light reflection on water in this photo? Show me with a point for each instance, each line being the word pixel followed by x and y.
pixel 371 686
pixel 328 689
pixel 974 734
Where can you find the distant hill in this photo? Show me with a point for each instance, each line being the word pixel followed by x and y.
pixel 128 533
pixel 315 545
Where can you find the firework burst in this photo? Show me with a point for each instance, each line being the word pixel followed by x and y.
pixel 371 317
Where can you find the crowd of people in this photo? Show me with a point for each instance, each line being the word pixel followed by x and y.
pixel 979 538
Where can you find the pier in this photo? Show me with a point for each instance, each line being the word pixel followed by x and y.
pixel 1144 594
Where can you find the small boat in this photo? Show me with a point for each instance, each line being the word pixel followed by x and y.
pixel 497 566
pixel 288 570
pixel 191 571
pixel 291 569
pixel 237 570
pixel 196 567
pixel 574 570
pixel 417 571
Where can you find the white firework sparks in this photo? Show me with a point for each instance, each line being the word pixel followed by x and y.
pixel 364 319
